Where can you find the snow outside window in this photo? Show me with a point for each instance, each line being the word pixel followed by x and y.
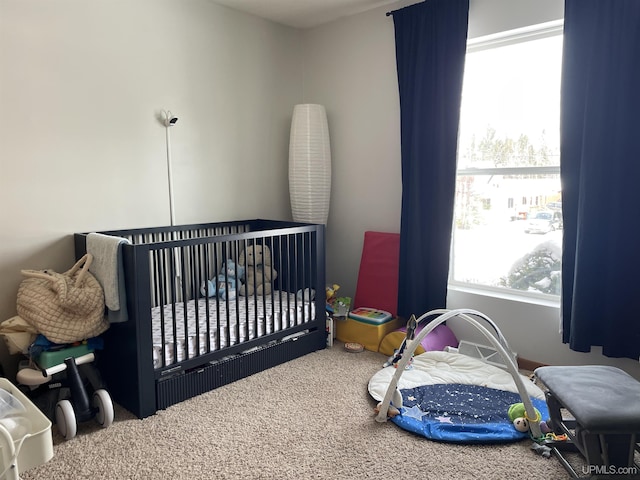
pixel 507 231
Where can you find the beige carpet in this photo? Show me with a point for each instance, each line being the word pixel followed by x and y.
pixel 311 418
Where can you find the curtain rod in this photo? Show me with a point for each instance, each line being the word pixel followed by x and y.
pixel 388 14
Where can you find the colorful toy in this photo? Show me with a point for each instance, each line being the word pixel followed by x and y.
pixel 337 306
pixel 518 415
pixel 342 306
pixel 331 292
pixel 331 295
pixel 373 316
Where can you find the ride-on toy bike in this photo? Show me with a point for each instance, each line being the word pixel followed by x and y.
pixel 62 392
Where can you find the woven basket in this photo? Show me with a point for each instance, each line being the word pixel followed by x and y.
pixel 64 307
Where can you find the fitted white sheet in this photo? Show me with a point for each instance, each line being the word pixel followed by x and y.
pixel 257 316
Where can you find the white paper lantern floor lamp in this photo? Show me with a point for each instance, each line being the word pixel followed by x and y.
pixel 309 164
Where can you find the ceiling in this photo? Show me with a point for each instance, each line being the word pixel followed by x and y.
pixel 303 13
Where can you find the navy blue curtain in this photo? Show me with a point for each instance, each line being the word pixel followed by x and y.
pixel 431 42
pixel 600 172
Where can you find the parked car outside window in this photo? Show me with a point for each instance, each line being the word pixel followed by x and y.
pixel 544 222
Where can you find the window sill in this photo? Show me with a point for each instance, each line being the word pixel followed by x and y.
pixel 503 294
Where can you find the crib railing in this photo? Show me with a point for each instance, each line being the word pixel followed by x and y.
pixel 186 322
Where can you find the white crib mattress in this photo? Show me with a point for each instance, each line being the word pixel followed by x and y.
pixel 230 322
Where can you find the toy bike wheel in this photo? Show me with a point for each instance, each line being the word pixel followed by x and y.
pixel 66 419
pixel 104 407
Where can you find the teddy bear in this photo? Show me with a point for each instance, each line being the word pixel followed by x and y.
pixel 224 285
pixel 259 273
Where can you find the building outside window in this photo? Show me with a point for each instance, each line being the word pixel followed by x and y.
pixel 507 233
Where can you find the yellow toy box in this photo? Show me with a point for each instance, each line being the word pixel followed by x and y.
pixel 366 326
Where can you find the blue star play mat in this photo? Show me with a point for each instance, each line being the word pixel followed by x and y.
pixel 455 398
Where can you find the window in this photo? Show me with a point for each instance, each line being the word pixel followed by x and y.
pixel 508 224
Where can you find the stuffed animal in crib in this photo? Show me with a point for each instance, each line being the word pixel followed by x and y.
pixel 209 288
pixel 226 282
pixel 259 272
pixel 229 279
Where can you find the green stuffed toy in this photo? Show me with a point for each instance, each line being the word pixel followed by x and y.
pixel 518 416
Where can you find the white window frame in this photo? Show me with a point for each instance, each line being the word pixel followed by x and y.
pixel 510 37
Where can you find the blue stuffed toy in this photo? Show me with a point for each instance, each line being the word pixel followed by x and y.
pixel 226 283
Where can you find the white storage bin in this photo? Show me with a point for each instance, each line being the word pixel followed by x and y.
pixel 36 449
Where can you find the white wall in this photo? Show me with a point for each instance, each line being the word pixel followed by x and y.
pixel 81 148
pixel 350 67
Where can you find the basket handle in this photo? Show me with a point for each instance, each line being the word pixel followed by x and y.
pixel 84 262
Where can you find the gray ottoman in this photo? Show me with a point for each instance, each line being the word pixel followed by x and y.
pixel 605 402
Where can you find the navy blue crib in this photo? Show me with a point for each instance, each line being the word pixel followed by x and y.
pixel 178 342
